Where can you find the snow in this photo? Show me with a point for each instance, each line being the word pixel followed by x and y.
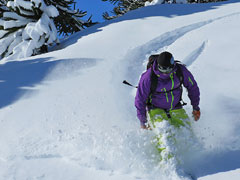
pixel 19 3
pixel 2 33
pixel 12 24
pixel 51 11
pixel 67 115
pixel 4 41
pixel 13 15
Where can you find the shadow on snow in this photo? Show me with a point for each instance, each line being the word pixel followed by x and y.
pixel 18 77
pixel 217 163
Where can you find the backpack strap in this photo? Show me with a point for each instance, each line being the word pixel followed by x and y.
pixel 179 74
pixel 179 71
pixel 154 83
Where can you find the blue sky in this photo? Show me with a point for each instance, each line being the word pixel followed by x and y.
pixel 94 7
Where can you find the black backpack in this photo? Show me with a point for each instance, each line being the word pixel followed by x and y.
pixel 154 79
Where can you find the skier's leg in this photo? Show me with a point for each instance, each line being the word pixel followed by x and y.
pixel 185 139
pixel 167 129
pixel 156 116
pixel 161 125
pixel 179 118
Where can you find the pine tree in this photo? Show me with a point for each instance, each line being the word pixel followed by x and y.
pixel 151 2
pixel 123 6
pixel 28 27
pixel 69 20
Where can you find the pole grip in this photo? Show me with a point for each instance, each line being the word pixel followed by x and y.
pixel 127 83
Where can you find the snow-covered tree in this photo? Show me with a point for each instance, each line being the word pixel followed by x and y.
pixel 122 7
pixel 27 27
pixel 153 2
pixel 3 8
pixel 68 20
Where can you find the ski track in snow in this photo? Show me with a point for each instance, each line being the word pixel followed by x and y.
pixel 140 54
pixel 189 60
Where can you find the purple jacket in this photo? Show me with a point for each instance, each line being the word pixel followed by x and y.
pixel 167 99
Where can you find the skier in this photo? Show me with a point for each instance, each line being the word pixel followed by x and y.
pixel 167 97
pixel 159 93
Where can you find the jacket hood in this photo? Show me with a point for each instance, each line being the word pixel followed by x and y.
pixel 160 74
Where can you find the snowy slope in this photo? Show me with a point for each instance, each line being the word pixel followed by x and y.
pixel 66 114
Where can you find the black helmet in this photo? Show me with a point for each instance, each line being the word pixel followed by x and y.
pixel 165 62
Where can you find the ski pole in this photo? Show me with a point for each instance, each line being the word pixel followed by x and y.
pixel 127 83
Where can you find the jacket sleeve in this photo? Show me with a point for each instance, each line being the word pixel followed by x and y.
pixel 192 87
pixel 142 97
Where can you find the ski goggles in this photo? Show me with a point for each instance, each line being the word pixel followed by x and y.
pixel 164 69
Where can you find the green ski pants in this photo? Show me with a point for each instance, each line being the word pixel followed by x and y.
pixel 168 130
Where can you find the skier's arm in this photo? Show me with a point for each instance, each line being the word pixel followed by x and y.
pixel 141 98
pixel 192 87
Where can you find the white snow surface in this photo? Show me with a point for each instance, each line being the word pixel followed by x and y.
pixel 67 115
